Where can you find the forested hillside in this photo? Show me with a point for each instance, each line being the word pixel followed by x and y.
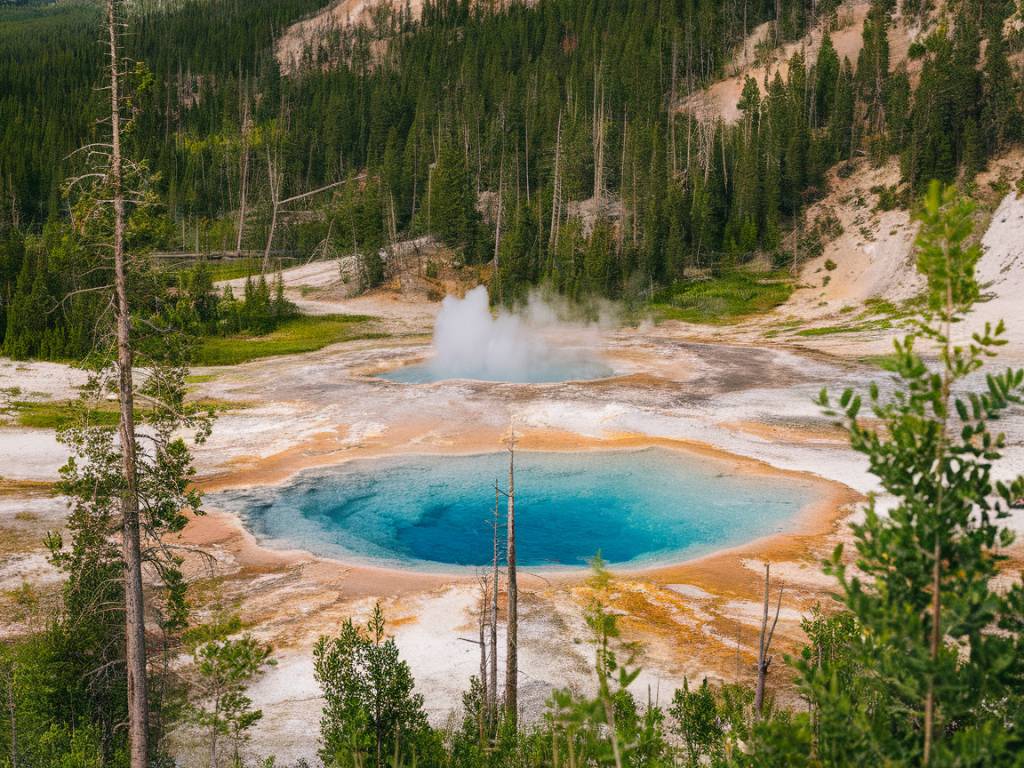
pixel 549 137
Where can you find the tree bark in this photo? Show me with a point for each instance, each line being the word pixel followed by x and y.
pixel 135 629
pixel 483 716
pixel 512 652
pixel 495 586
pixel 556 187
pixel 244 180
pixel 274 195
pixel 12 713
pixel 497 229
pixel 764 660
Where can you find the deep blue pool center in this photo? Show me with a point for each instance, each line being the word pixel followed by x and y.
pixel 430 512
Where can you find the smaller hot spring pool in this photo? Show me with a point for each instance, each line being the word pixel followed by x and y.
pixel 543 372
pixel 430 512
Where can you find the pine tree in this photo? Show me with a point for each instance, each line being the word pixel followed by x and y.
pixel 452 214
pixel 936 652
pixel 826 76
pixel 1000 114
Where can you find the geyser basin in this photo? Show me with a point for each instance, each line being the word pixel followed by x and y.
pixel 428 512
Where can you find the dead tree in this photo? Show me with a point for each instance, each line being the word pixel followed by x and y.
pixel 135 628
pixel 556 187
pixel 277 203
pixel 497 229
pixel 275 191
pixel 764 659
pixel 485 590
pixel 246 127
pixel 512 631
pixel 482 715
pixel 598 133
pixel 492 694
pixel 12 712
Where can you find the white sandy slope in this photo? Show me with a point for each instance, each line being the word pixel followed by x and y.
pixel 873 256
pixel 1001 273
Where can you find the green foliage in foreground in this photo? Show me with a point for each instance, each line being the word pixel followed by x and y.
pixel 371 715
pixel 306 333
pixel 933 675
pixel 723 299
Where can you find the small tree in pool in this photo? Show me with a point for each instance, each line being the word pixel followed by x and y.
pixel 940 651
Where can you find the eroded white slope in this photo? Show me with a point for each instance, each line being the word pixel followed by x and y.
pixel 1001 274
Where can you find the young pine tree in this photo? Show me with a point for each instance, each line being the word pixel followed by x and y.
pixel 371 715
pixel 938 659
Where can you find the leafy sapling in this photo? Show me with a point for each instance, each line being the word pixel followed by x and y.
pixel 938 647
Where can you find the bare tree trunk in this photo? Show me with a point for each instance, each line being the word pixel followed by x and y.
pixel 764 660
pixel 274 195
pixel 135 628
pixel 12 713
pixel 496 584
pixel 556 201
pixel 497 230
pixel 512 652
pixel 244 180
pixel 526 153
pixel 672 103
pixel 621 234
pixel 598 135
pixel 485 595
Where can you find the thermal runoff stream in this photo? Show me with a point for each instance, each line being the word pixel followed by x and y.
pixel 637 507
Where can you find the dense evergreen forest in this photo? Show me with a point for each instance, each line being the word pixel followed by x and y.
pixel 563 114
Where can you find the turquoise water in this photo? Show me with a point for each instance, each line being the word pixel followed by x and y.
pixel 430 512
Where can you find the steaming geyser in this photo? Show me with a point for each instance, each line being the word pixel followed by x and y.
pixel 429 511
pixel 470 343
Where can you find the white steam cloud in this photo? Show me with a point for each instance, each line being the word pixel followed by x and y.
pixel 471 343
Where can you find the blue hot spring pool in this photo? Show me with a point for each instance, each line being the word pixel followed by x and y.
pixel 433 512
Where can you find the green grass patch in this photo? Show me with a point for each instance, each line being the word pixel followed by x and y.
pixel 884 362
pixel 894 311
pixel 26 487
pixel 57 414
pixel 202 378
pixel 232 270
pixel 724 299
pixel 830 330
pixel 307 333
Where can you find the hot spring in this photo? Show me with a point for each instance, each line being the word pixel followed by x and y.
pixel 432 512
pixel 528 348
